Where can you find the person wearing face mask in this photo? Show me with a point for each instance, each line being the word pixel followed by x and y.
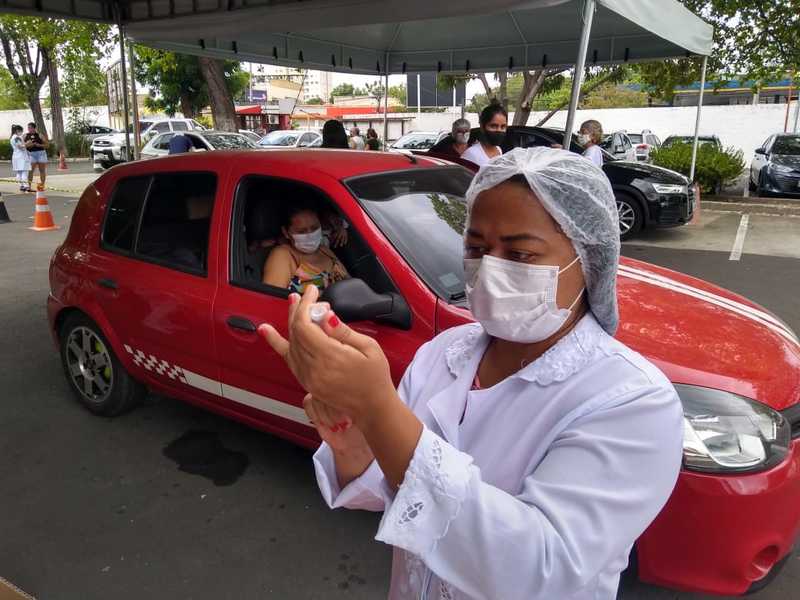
pixel 589 136
pixel 456 142
pixel 493 121
pixel 303 261
pixel 522 455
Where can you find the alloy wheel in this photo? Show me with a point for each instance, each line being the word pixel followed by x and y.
pixel 89 364
pixel 627 216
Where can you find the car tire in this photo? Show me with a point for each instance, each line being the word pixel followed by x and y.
pixel 97 378
pixel 760 191
pixel 750 185
pixel 631 215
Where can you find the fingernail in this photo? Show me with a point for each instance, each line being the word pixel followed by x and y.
pixel 333 321
pixel 293 298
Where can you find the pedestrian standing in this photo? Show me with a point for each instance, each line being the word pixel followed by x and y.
pixel 37 147
pixel 456 142
pixel 493 121
pixel 373 143
pixel 522 455
pixel 356 141
pixel 589 136
pixel 20 159
pixel 179 144
pixel 334 135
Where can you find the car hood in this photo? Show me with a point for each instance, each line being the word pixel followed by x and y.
pixel 699 334
pixel 650 171
pixel 789 160
pixel 119 138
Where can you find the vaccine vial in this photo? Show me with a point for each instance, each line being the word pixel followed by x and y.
pixel 317 312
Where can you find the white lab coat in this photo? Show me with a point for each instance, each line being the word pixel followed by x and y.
pixel 541 491
pixel 20 158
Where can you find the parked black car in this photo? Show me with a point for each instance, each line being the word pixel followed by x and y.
pixel 775 168
pixel 647 196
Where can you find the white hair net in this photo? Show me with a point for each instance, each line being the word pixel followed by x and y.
pixel 578 196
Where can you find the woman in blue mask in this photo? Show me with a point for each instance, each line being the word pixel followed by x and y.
pixel 522 455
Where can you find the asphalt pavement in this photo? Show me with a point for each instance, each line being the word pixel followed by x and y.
pixel 93 508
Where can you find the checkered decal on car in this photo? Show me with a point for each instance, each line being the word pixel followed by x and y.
pixel 151 363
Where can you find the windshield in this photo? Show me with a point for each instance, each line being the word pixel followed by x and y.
pixel 635 138
pixel 142 126
pixel 422 212
pixel 279 138
pixel 786 145
pixel 688 139
pixel 228 141
pixel 416 141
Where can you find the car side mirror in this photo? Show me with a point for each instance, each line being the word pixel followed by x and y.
pixel 761 151
pixel 354 300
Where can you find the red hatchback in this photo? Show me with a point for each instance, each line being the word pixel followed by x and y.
pixel 158 285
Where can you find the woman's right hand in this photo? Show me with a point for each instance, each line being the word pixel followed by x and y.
pixel 351 452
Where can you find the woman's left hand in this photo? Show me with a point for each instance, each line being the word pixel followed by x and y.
pixel 338 366
pixel 339 237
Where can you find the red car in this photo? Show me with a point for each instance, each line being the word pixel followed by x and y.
pixel 158 285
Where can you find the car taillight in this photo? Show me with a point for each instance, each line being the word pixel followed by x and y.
pixel 641 147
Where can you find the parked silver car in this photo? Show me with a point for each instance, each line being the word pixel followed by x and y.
pixel 201 141
pixel 291 138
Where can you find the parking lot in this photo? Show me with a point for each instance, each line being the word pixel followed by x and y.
pixel 93 508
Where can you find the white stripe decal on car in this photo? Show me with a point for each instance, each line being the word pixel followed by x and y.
pixel 212 386
pixel 687 292
pixel 760 314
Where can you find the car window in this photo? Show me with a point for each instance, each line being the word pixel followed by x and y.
pixel 416 141
pixel 122 214
pixel 786 145
pixel 626 142
pixel 306 139
pixel 175 225
pixel 179 126
pixel 279 138
pixel 229 141
pixel 422 212
pixel 162 141
pixel 635 138
pixel 161 127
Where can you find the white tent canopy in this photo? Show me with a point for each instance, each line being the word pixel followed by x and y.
pixel 414 35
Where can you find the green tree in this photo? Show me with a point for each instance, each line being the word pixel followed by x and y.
pixel 611 95
pixel 347 89
pixel 180 82
pixel 316 100
pixel 11 97
pixel 376 91
pixel 754 41
pixel 399 93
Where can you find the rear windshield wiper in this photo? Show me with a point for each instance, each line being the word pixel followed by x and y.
pixel 457 296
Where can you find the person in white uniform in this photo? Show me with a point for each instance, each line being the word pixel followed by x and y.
pixel 493 122
pixel 589 136
pixel 522 455
pixel 20 158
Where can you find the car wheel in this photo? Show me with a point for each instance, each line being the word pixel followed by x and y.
pixel 94 373
pixel 750 185
pixel 631 216
pixel 760 191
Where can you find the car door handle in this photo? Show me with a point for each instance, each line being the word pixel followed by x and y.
pixel 107 282
pixel 247 325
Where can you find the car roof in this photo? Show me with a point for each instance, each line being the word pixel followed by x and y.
pixel 337 163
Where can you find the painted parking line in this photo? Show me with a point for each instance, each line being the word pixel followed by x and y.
pixel 741 233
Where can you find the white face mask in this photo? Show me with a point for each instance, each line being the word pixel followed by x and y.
pixel 584 139
pixel 308 243
pixel 461 138
pixel 515 301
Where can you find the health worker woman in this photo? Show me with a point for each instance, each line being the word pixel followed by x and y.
pixel 522 455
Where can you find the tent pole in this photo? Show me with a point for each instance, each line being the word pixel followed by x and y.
pixel 796 111
pixel 386 102
pixel 137 138
pixel 580 64
pixel 126 108
pixel 697 118
pixel 419 99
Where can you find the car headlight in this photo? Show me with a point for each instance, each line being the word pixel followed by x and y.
pixel 727 433
pixel 780 168
pixel 668 188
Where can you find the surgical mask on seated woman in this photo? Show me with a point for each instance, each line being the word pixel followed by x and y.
pixel 308 243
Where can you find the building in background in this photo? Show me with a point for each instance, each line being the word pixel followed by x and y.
pixel 735 92
pixel 315 84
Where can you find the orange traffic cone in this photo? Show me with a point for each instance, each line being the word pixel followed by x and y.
pixel 62 163
pixel 42 218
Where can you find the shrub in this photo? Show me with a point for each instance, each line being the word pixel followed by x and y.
pixel 77 145
pixel 714 167
pixel 205 121
pixel 5 150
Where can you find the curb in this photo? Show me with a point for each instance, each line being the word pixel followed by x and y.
pixel 47 188
pixel 754 200
pixel 754 208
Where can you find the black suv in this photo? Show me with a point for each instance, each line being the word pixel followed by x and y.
pixel 647 196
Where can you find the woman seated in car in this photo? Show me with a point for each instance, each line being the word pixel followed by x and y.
pixel 303 260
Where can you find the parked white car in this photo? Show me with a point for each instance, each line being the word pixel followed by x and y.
pixel 201 141
pixel 290 138
pixel 619 145
pixel 644 143
pixel 251 135
pixel 108 150
pixel 418 140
